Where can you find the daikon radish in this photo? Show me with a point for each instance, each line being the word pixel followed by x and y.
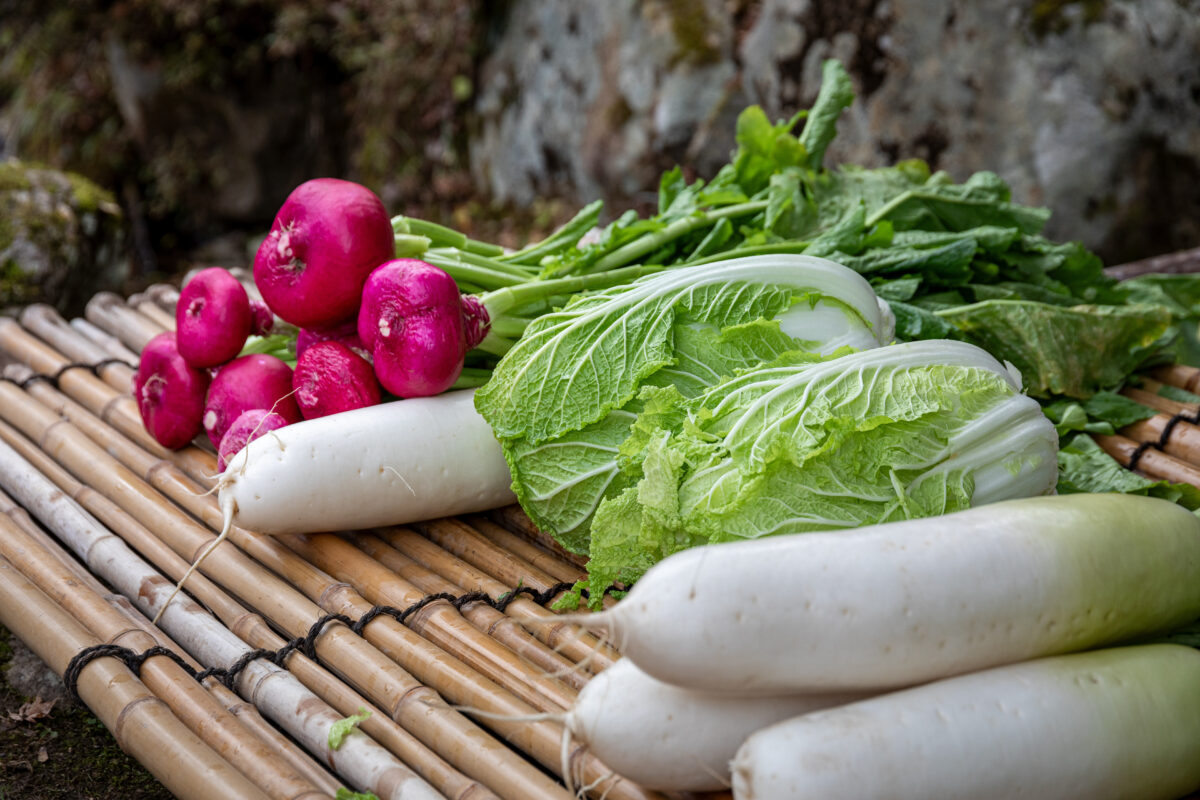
pixel 903 603
pixel 1105 725
pixel 673 739
pixel 382 465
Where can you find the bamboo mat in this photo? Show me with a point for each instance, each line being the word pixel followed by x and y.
pixel 99 521
pixel 77 574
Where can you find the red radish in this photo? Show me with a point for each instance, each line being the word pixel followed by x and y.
pixel 327 237
pixel 252 381
pixel 330 378
pixel 170 392
pixel 249 425
pixel 415 324
pixel 263 318
pixel 346 333
pixel 212 318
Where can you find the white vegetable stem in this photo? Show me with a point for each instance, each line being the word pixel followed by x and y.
pixel 901 603
pixel 674 739
pixel 383 465
pixel 1109 724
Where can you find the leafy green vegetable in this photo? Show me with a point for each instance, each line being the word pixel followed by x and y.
pixel 1074 351
pixel 341 729
pixel 1175 393
pixel 807 444
pixel 346 794
pixel 1103 412
pixel 1085 467
pixel 564 399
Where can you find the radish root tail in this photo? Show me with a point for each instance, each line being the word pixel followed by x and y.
pixel 227 510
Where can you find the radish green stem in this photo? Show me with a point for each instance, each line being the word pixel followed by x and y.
pixel 792 246
pixel 472 378
pixel 483 261
pixel 501 300
pixel 510 327
pixel 495 344
pixel 567 235
pixel 472 273
pixel 410 246
pixel 443 236
pixel 648 244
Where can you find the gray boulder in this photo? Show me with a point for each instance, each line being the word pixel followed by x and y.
pixel 62 239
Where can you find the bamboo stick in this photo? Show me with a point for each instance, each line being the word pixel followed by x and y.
pixel 117 408
pixel 245 712
pixel 118 602
pixel 441 622
pixel 108 312
pixel 142 725
pixel 186 698
pixel 1183 442
pixel 510 525
pixel 166 295
pixel 252 630
pixel 1157 402
pixel 1180 262
pixel 45 322
pixel 482 615
pixel 1154 463
pixel 570 640
pixel 1180 376
pixel 350 655
pixel 466 543
pixel 106 341
pixel 269 687
pixel 113 406
pixel 146 306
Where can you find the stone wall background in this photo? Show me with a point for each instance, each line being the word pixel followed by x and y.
pixel 501 117
pixel 1090 108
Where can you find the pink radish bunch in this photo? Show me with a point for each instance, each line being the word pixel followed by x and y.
pixel 367 323
pixel 194 380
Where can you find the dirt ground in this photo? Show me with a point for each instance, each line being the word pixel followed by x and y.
pixel 51 747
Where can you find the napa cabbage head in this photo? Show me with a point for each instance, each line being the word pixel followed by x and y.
pixel 812 444
pixel 564 399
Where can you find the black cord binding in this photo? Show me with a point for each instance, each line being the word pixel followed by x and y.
pixel 53 379
pixel 306 643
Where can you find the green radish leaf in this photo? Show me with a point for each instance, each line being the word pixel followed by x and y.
pixel 346 794
pixel 1083 466
pixel 1074 351
pixel 342 728
pixel 836 94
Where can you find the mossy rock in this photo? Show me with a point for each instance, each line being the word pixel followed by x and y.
pixel 62 238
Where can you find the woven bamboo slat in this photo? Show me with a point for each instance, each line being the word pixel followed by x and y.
pixel 434 571
pixel 276 599
pixel 250 627
pixel 145 305
pixel 402 582
pixel 189 700
pixel 109 312
pixel 110 344
pixel 270 688
pixel 141 723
